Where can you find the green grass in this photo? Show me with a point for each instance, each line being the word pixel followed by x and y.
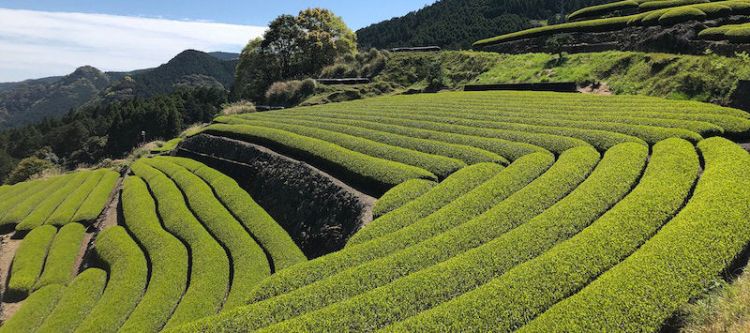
pixel 29 260
pixel 94 204
pixel 59 266
pixel 401 195
pixel 677 263
pixel 34 310
pixel 127 281
pixel 168 257
pixel 76 302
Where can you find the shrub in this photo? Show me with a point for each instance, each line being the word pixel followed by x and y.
pixel 26 168
pixel 681 15
pixel 59 267
pixel 53 199
pixel 17 194
pixel 209 265
pixel 94 204
pixel 249 262
pixel 76 302
pixel 375 174
pixel 593 11
pixel 26 205
pixel 29 261
pixel 529 289
pixel 34 310
pixel 652 5
pixel 271 236
pixel 239 107
pixel 290 92
pixel 677 264
pixel 63 214
pixel 127 281
pixel 168 257
pixel 401 195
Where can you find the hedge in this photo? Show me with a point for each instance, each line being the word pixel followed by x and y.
pixel 468 155
pixel 167 255
pixel 29 261
pixel 59 267
pixel 64 213
pixel 28 202
pixel 34 310
pixel 17 194
pixel 512 299
pixel 375 174
pixel 739 34
pixel 608 183
pixel 440 166
pixel 209 265
pixel 677 264
pixel 249 262
pixel 678 15
pixel 563 177
pixel 474 203
pixel 598 25
pixel 652 5
pixel 593 11
pixel 455 186
pixel 94 204
pixel 75 302
pixel 401 195
pixel 53 200
pixel 128 273
pixel 271 236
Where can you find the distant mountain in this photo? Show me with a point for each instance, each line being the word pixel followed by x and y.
pixel 455 24
pixel 30 101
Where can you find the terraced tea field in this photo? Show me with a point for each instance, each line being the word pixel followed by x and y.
pixel 498 211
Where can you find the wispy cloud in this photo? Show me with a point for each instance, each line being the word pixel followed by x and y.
pixel 37 44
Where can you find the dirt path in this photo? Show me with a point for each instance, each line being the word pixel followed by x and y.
pixel 8 248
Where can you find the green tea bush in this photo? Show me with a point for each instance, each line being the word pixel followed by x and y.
pixel 653 5
pixel 45 208
pixel 612 179
pixel 677 264
pixel 28 203
pixel 681 15
pixel 76 302
pixel 128 274
pixel 168 257
pixel 459 211
pixel 401 195
pixel 249 262
pixel 94 204
pixel 209 265
pixel 63 214
pixel 739 34
pixel 29 261
pixel 598 10
pixel 17 194
pixel 373 173
pixel 512 299
pixel 59 268
pixel 34 310
pixel 455 186
pixel 271 236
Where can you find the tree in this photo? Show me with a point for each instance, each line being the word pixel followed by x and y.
pixel 28 167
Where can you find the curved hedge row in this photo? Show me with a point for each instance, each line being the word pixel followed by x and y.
pixel 59 267
pixel 32 198
pixel 677 263
pixel 510 180
pixel 564 176
pixel 29 260
pixel 52 200
pixel 736 33
pixel 598 10
pixel 92 207
pixel 34 310
pixel 373 173
pixel 168 257
pixel 271 236
pixel 612 179
pixel 75 302
pixel 127 280
pixel 209 265
pixel 512 299
pixel 64 213
pixel 248 262
pixel 401 195
pixel 453 187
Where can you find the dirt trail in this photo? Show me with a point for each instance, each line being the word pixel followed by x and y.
pixel 8 248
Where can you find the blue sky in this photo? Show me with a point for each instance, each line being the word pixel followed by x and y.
pixel 42 38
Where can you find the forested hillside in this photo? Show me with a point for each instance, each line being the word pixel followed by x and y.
pixel 455 23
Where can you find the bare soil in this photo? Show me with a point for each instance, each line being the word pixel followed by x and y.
pixel 8 248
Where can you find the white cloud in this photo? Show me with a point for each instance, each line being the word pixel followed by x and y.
pixel 37 44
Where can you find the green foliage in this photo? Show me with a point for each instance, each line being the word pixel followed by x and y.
pixel 379 175
pixel 95 202
pixel 401 195
pixel 249 263
pixel 29 260
pixel 59 268
pixel 271 236
pixel 681 15
pixel 168 257
pixel 76 302
pixel 364 64
pixel 529 289
pixel 34 310
pixel 289 93
pixel 603 9
pixel 22 203
pixel 26 168
pixel 209 265
pixel 63 214
pixel 53 199
pixel 677 263
pixel 127 280
pixel 458 184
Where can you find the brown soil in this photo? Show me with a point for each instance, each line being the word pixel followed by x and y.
pixel 596 89
pixel 8 247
